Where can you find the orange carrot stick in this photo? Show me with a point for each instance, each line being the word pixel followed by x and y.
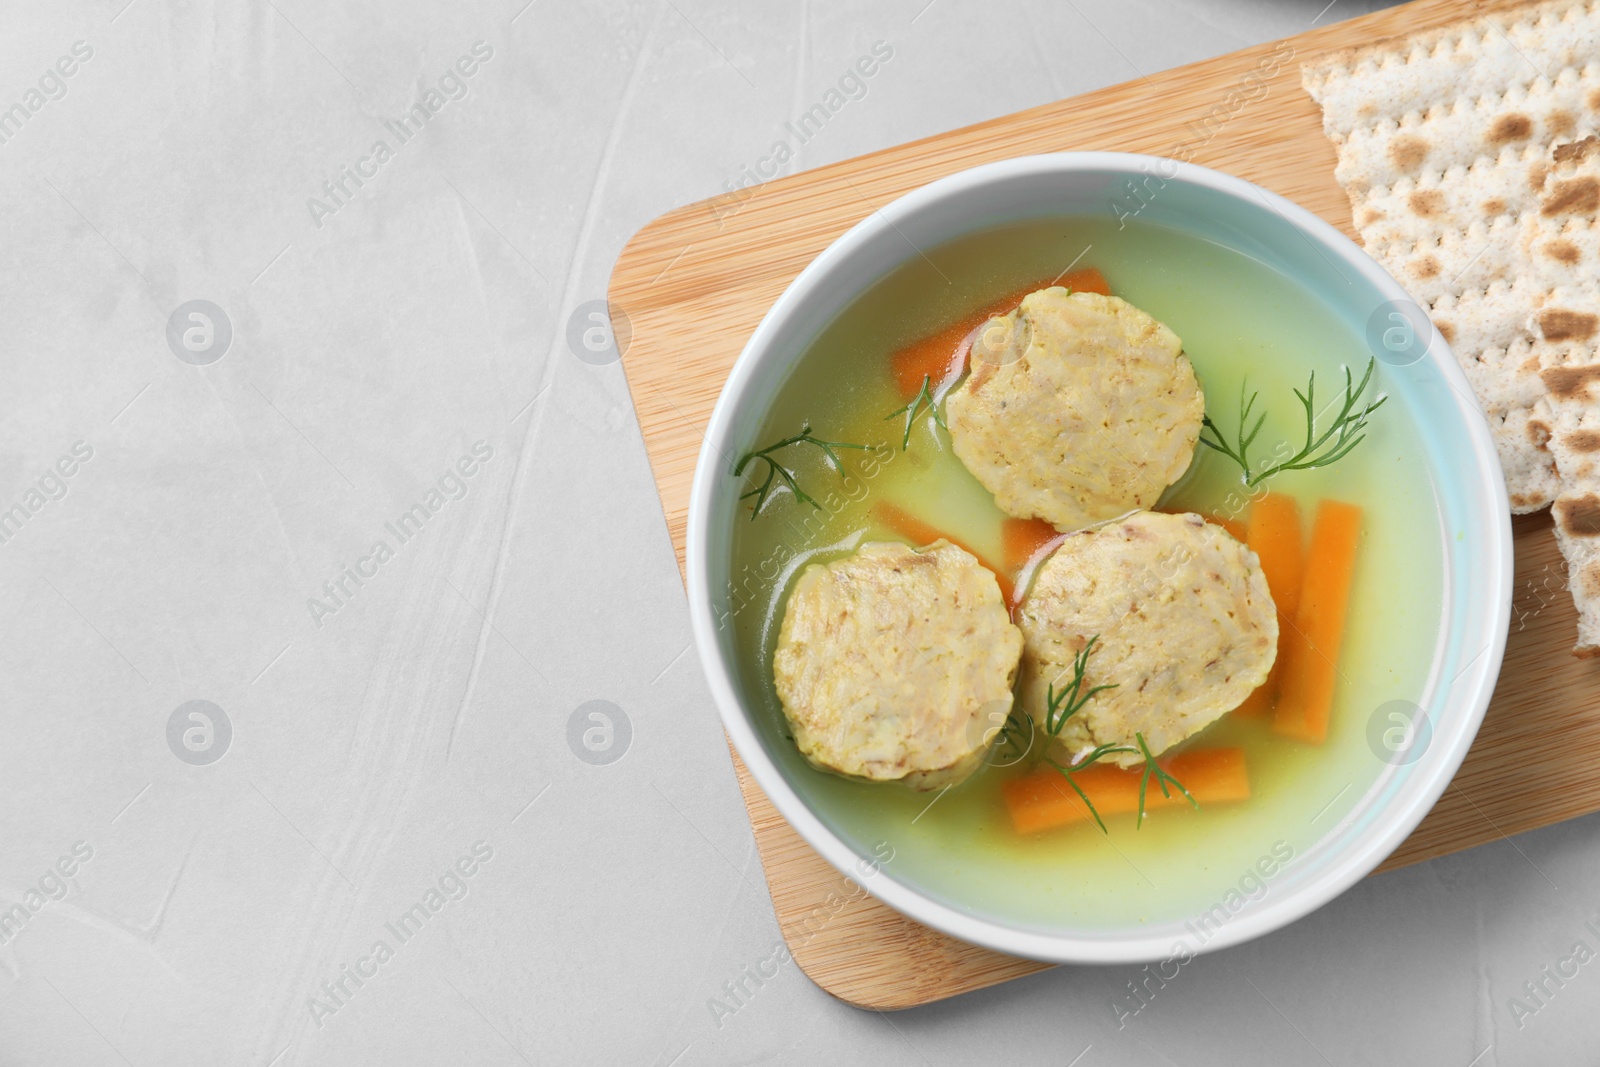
pixel 1042 799
pixel 1086 280
pixel 941 357
pixel 921 534
pixel 1236 529
pixel 1274 535
pixel 1021 538
pixel 1264 697
pixel 1027 543
pixel 934 358
pixel 1310 669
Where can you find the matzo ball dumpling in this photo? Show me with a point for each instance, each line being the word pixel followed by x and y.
pixel 1079 408
pixel 895 664
pixel 1185 623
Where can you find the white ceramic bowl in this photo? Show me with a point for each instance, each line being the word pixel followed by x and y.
pixel 1426 384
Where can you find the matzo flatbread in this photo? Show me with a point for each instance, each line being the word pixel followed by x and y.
pixel 1470 158
pixel 1561 242
pixel 1578 533
pixel 1466 60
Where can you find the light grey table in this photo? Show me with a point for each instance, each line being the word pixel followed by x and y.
pixel 365 502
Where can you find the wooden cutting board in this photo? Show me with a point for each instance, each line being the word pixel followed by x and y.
pixel 694 284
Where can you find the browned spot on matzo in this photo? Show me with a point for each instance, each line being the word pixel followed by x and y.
pixel 1582 440
pixel 1578 516
pixel 1570 383
pixel 1538 433
pixel 1560 123
pixel 1562 251
pixel 1427 202
pixel 1495 206
pixel 1426 267
pixel 1407 152
pixel 1447 331
pixel 1589 585
pixel 1564 324
pixel 1508 128
pixel 1577 196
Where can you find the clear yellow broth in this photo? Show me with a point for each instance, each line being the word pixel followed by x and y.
pixel 1239 320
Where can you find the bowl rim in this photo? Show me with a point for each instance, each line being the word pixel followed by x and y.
pixel 1470 690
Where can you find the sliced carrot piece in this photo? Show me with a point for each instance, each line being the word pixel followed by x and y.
pixel 934 358
pixel 1264 697
pixel 1021 538
pixel 1026 543
pixel 1310 667
pixel 1236 529
pixel 1274 534
pixel 917 531
pixel 1042 799
pixel 941 357
pixel 1086 280
pixel 1261 699
pixel 921 534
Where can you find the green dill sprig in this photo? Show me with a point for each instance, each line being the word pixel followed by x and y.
pixel 1151 768
pixel 1060 707
pixel 776 471
pixel 1347 430
pixel 910 411
pixel 1066 772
